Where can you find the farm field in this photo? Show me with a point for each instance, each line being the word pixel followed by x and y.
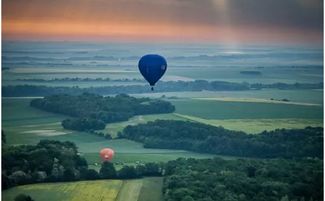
pixel 130 190
pixel 301 96
pixel 114 128
pixel 151 189
pixel 213 109
pixel 69 191
pixel 109 190
pixel 255 126
pixel 26 125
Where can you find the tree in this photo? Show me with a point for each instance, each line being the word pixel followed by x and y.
pixel 23 197
pixel 140 170
pixel 108 136
pixel 92 174
pixel 39 176
pixel 251 171
pixel 188 198
pixel 69 175
pixel 152 169
pixel 5 181
pixel 57 171
pixel 20 177
pixel 127 172
pixel 3 138
pixel 107 171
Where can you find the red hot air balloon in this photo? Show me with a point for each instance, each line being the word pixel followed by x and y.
pixel 106 154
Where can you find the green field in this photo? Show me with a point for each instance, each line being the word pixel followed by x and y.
pixel 68 191
pixel 130 190
pixel 302 96
pixel 212 109
pixel 151 189
pixel 109 190
pixel 114 128
pixel 255 126
pixel 26 125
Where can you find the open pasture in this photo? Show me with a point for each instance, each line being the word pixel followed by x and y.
pixel 255 126
pixel 68 191
pixel 151 189
pixel 109 190
pixel 213 109
pixel 301 96
pixel 114 128
pixel 23 124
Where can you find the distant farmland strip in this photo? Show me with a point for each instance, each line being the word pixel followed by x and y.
pixel 171 86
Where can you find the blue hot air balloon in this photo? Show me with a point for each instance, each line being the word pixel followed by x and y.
pixel 152 67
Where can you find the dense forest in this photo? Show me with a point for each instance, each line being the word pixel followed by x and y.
pixel 46 161
pixel 204 138
pixel 243 180
pixel 92 112
pixel 171 86
pixel 184 179
pixel 53 161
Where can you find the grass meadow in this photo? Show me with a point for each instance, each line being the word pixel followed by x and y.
pixel 68 191
pixel 213 109
pixel 146 189
pixel 255 126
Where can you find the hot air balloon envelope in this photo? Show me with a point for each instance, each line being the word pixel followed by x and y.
pixel 106 154
pixel 152 67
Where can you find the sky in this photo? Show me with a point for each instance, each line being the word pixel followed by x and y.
pixel 225 21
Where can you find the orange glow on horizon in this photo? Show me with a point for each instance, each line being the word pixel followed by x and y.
pixel 20 30
pixel 225 21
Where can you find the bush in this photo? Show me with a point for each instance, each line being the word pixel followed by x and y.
pixel 107 171
pixel 23 197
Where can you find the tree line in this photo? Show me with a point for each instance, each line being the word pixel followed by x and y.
pixel 198 137
pixel 92 112
pixel 243 180
pixel 170 86
pixel 79 79
pixel 184 179
pixel 55 161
